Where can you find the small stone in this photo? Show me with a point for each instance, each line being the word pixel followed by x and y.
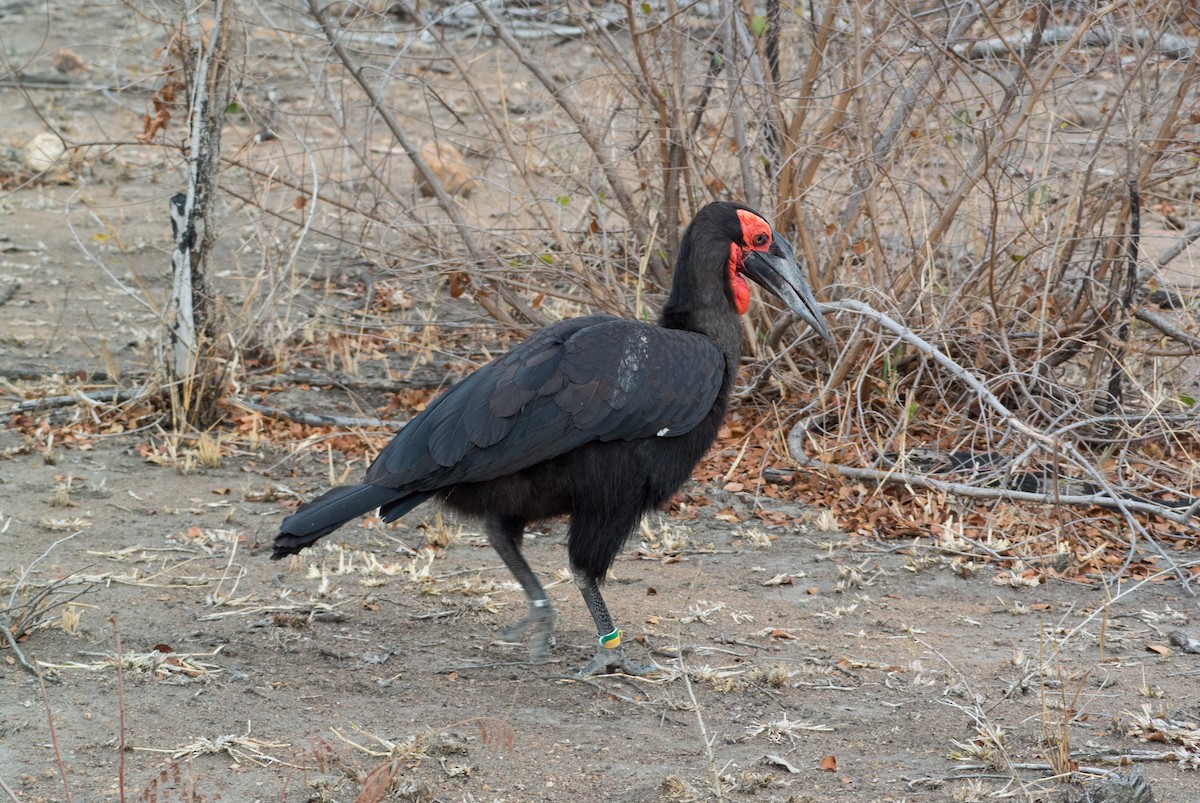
pixel 68 61
pixel 447 163
pixel 42 152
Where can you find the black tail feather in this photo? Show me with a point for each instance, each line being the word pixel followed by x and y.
pixel 330 510
pixel 391 511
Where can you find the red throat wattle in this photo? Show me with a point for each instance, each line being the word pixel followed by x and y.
pixel 756 233
pixel 737 283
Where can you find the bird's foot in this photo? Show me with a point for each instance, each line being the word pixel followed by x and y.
pixel 612 661
pixel 539 620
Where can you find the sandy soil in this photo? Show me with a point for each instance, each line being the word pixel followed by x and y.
pixel 819 667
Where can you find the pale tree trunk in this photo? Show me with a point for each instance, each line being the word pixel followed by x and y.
pixel 194 366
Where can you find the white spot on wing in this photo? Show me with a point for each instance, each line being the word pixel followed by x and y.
pixel 630 369
pixel 662 433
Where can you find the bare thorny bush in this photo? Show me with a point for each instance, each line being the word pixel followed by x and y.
pixel 1004 180
pixel 995 198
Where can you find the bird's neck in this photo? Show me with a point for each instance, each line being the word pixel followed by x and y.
pixel 721 327
pixel 700 300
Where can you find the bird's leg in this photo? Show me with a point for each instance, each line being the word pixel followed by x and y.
pixel 504 534
pixel 610 656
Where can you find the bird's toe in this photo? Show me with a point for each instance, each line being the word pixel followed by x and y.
pixel 539 623
pixel 613 662
pixel 541 641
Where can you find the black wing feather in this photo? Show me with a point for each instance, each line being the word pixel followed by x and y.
pixel 581 380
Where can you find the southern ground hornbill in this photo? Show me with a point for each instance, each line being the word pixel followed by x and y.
pixel 599 418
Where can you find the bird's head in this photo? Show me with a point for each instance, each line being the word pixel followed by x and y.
pixel 757 252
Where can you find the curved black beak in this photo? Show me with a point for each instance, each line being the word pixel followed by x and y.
pixel 777 271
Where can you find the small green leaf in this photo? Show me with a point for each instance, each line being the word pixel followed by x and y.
pixel 233 107
pixel 563 200
pixel 548 258
pixel 911 411
pixel 646 9
pixel 758 24
pixel 1186 400
pixel 1037 195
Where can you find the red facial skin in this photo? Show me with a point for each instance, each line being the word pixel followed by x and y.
pixel 757 236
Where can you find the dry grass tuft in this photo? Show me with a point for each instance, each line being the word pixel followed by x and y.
pixel 242 748
pixel 166 665
pixel 782 729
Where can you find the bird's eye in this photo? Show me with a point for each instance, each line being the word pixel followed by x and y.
pixel 759 239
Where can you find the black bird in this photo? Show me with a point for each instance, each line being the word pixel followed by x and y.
pixel 599 418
